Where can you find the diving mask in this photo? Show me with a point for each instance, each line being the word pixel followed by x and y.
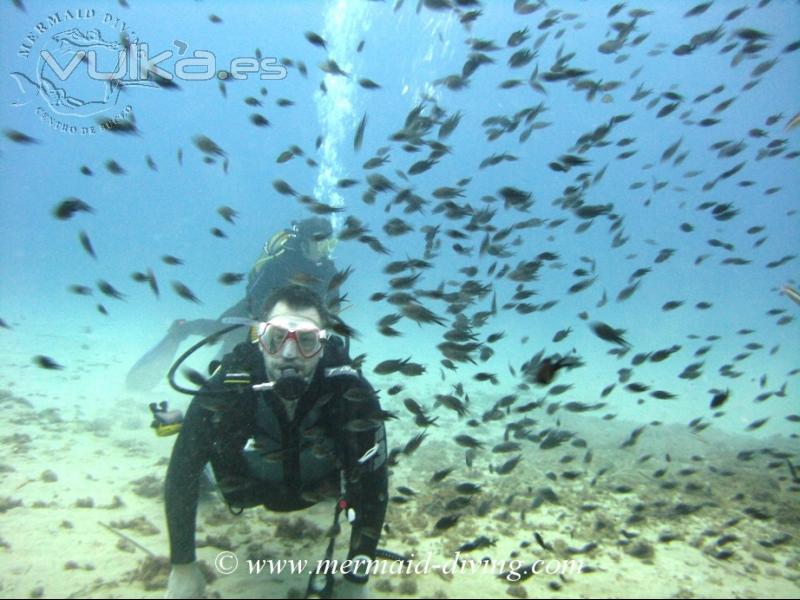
pixel 274 334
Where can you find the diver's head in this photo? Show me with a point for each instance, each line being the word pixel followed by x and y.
pixel 315 237
pixel 291 337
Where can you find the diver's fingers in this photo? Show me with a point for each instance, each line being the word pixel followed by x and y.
pixel 792 293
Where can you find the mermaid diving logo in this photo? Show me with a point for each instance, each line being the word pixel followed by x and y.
pixel 80 69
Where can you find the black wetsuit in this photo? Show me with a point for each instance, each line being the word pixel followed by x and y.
pixel 260 457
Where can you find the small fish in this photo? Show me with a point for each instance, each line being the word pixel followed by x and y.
pixel 109 290
pixel 756 424
pixel 68 207
pixel 793 122
pixel 19 137
pixel 609 334
pixel 359 136
pixel 114 167
pixel 259 120
pixel 315 39
pixel 699 9
pixel 151 280
pixel 80 290
pixel 184 292
pixel 332 68
pixel 45 362
pixel 207 145
pixel 368 84
pixel 284 188
pixel 509 465
pixel 119 126
pixel 441 474
pixel 468 441
pixel 217 232
pixel 563 333
pixel 227 213
pixel 446 522
pixel 230 278
pixel 171 260
pixel 87 244
pixel 468 488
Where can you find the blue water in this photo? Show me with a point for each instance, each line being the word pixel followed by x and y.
pixel 144 214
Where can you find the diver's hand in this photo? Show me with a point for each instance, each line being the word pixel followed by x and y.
pixel 186 581
pixel 344 588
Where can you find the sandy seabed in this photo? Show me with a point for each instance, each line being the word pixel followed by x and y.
pixel 82 507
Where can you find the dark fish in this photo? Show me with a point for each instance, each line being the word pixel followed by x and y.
pixel 227 213
pixel 80 290
pixel 449 125
pixel 109 290
pixel 441 474
pixel 45 362
pixel 332 68
pixel 756 424
pixel 114 167
pixel 19 137
pixel 359 136
pixel 414 443
pixel 699 9
pixel 217 232
pixel 68 207
pixel 259 120
pixel 541 542
pixel 230 278
pixel 315 39
pixel 283 188
pixel 171 260
pixel 609 334
pixel 468 441
pixel 184 292
pixel 119 126
pixel 87 244
pixel 468 488
pixel 207 145
pixel 509 465
pixel 368 84
pixel 446 522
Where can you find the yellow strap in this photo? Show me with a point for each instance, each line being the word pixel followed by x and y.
pixel 167 430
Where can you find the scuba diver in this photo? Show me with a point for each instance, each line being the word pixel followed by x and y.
pixel 285 422
pixel 299 254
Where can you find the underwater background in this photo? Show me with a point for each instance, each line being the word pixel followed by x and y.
pixel 618 164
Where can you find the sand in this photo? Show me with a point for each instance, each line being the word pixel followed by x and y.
pixel 76 485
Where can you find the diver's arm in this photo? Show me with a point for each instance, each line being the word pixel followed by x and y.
pixel 191 452
pixel 369 492
pixel 370 499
